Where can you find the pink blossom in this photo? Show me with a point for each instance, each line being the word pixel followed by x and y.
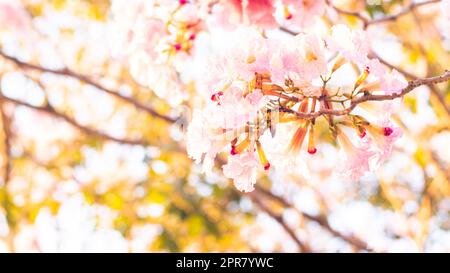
pixel 355 161
pixel 277 150
pixel 242 168
pixel 162 79
pixel 381 110
pixel 234 110
pixel 445 6
pixel 311 90
pixel 375 67
pixel 257 12
pixel 382 142
pixel 445 28
pixel 155 49
pixel 231 13
pixel 188 13
pixel 250 53
pixel 14 15
pixel 222 120
pixel 197 140
pixel 301 13
pixel 204 139
pixel 301 58
pixel 246 52
pixel 393 82
pixel 248 69
pixel 352 44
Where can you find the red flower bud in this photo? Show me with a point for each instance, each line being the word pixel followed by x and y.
pixel 388 131
pixel 216 96
pixel 363 134
pixel 177 47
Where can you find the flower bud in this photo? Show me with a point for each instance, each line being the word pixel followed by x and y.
pixel 287 13
pixel 362 78
pixel 311 147
pixel 297 139
pixel 262 156
pixel 240 147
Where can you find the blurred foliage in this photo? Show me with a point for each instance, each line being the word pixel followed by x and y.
pixel 201 213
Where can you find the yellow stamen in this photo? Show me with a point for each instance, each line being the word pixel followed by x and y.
pixel 310 56
pixel 251 59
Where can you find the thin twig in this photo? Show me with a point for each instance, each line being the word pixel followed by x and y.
pixel 403 12
pixel 389 18
pixel 369 97
pixel 83 78
pixel 88 130
pixel 7 167
pixel 256 200
pixel 288 31
pixel 358 15
pixel 433 90
pixel 321 220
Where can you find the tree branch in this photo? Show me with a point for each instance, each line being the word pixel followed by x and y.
pixel 434 92
pixel 302 246
pixel 358 15
pixel 83 78
pixel 389 18
pixel 321 220
pixel 87 130
pixel 7 167
pixel 369 97
pixel 405 11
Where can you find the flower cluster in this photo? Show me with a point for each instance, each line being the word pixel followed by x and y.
pixel 231 13
pixel 14 16
pixel 155 36
pixel 301 13
pixel 257 85
pixel 265 14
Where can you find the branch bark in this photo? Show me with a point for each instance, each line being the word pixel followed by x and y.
pixel 369 97
pixel 321 220
pixel 433 90
pixel 403 12
pixel 389 18
pixel 7 167
pixel 87 130
pixel 83 78
pixel 256 200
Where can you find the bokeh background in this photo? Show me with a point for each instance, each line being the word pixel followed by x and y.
pixel 92 161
